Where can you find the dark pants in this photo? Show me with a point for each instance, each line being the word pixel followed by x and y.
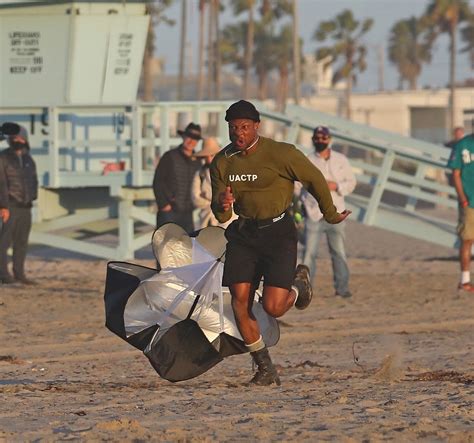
pixel 183 219
pixel 15 233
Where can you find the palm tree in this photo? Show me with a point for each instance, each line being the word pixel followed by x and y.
pixel 232 45
pixel 283 52
pixel 467 35
pixel 296 53
pixel 443 16
pixel 406 51
pixel 264 57
pixel 273 11
pixel 156 10
pixel 240 6
pixel 346 35
pixel 213 49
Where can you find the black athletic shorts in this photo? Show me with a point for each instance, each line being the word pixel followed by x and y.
pixel 254 252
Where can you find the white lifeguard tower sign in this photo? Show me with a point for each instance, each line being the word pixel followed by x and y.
pixel 71 52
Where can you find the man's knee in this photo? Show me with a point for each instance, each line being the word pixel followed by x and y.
pixel 275 308
pixel 466 243
pixel 240 301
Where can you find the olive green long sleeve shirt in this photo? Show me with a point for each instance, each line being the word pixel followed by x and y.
pixel 262 181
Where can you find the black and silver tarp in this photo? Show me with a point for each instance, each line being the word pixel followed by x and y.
pixel 179 314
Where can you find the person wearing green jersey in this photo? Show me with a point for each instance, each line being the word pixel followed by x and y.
pixel 462 164
pixel 255 177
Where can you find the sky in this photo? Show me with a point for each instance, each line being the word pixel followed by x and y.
pixel 384 12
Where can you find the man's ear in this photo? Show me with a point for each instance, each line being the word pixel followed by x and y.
pixel 257 125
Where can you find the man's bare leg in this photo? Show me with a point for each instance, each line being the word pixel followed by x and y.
pixel 242 302
pixel 465 260
pixel 277 301
pixel 465 255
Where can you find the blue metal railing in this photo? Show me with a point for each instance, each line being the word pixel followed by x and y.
pixel 401 183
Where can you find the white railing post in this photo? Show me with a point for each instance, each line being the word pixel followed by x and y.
pixel 293 132
pixel 126 226
pixel 420 173
pixel 195 114
pixel 379 187
pixel 137 155
pixel 164 129
pixel 53 148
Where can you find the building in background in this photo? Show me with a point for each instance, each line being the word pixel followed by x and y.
pixel 422 114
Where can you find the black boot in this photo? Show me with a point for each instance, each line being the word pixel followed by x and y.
pixel 266 372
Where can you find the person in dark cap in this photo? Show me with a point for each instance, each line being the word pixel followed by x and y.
pixel 173 179
pixel 18 190
pixel 341 182
pixel 254 176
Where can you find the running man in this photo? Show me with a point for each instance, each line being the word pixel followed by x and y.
pixel 255 176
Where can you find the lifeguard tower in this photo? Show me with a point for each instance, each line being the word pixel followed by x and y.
pixel 68 68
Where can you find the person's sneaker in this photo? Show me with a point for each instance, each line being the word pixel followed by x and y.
pixel 305 291
pixel 466 287
pixel 7 280
pixel 346 294
pixel 266 373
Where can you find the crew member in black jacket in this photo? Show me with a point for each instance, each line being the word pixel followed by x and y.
pixel 18 189
pixel 173 181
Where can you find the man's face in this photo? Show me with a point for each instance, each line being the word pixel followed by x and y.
pixel 189 144
pixel 16 138
pixel 321 142
pixel 243 132
pixel 458 133
pixel 19 144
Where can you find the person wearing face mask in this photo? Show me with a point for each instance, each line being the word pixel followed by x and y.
pixel 18 190
pixel 173 178
pixel 341 182
pixel 254 176
pixel 201 191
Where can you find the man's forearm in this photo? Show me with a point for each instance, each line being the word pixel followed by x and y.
pixel 458 186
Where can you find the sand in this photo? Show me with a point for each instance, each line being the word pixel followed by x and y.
pixel 395 362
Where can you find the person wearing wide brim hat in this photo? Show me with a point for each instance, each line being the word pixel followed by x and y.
pixel 210 147
pixel 173 179
pixel 192 131
pixel 201 191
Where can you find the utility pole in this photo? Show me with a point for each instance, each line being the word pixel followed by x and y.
pixel 210 50
pixel 182 49
pixel 200 74
pixel 249 49
pixel 381 63
pixel 217 52
pixel 296 54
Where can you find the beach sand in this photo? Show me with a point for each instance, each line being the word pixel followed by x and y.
pixel 395 362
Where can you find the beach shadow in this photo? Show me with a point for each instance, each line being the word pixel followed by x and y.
pixel 431 259
pixel 24 381
pixel 48 253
